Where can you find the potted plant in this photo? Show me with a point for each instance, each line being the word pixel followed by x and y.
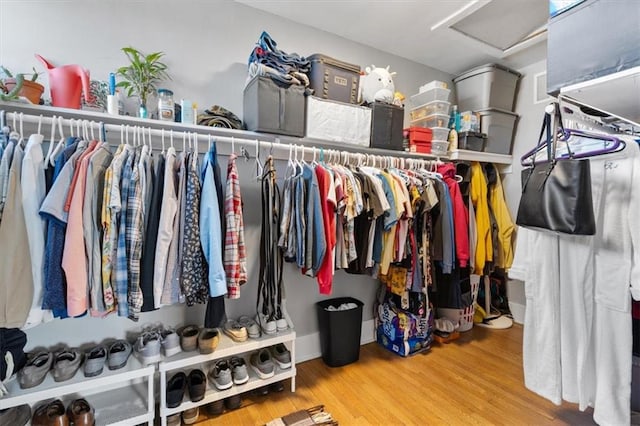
pixel 142 75
pixel 13 87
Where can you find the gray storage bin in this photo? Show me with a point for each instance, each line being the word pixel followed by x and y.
pixel 334 79
pixel 473 141
pixel 488 86
pixel 270 108
pixel 499 126
pixel 386 126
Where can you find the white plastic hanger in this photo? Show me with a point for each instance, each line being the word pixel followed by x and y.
pixel 60 146
pixel 51 141
pixel 162 137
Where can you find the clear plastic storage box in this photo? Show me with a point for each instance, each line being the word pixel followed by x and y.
pixel 433 107
pixel 435 94
pixel 439 147
pixel 433 120
pixel 440 133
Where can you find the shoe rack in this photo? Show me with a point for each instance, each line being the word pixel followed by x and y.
pixel 187 361
pixel 121 397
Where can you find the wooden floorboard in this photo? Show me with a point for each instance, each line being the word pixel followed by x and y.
pixel 476 380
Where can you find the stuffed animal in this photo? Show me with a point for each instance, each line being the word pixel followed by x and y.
pixel 377 85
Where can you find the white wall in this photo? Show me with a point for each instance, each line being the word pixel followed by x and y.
pixel 206 44
pixel 528 129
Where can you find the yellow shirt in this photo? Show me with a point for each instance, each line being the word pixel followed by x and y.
pixel 505 225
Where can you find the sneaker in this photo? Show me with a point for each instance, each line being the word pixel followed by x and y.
pixel 262 364
pixel 65 364
pixel 220 375
pixel 281 355
pixel 237 332
pixel 233 402
pixel 215 408
pixel 94 361
pixel 208 340
pixel 118 354
pixel 17 416
pixel 189 337
pixel 282 324
pixel 239 370
pixel 268 327
pixel 148 346
pixel 276 387
pixel 190 416
pixel 35 370
pixel 174 420
pixel 253 329
pixel 170 342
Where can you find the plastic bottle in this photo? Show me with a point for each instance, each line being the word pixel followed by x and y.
pixel 453 140
pixel 454 119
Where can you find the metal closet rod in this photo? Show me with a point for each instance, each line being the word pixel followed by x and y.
pixel 287 151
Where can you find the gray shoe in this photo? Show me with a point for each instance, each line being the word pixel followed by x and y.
pixel 253 329
pixel 94 361
pixel 118 355
pixel 170 343
pixel 239 370
pixel 262 364
pixel 65 364
pixel 15 416
pixel 148 346
pixel 220 375
pixel 281 355
pixel 35 370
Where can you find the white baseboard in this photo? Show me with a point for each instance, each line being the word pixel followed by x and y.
pixel 517 310
pixel 308 346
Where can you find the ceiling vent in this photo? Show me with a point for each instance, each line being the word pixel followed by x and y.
pixel 500 26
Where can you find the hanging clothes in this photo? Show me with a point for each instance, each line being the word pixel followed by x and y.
pixel 235 256
pixel 134 229
pixel 93 229
pixel 194 263
pixel 52 209
pixel 33 193
pixel 506 227
pixel 168 211
pixel 152 235
pixel 484 248
pixel 15 258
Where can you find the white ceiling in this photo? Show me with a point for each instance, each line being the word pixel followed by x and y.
pixel 404 27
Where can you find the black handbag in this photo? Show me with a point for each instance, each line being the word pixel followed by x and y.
pixel 556 194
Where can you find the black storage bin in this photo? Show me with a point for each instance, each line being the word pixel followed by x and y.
pixel 340 331
pixel 386 126
pixel 272 108
pixel 473 141
pixel 334 79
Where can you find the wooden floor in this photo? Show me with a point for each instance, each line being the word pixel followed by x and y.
pixel 476 380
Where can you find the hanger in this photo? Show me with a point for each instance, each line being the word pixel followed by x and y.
pixel 555 128
pixel 259 166
pixel 60 145
pixel 162 138
pixel 93 136
pixel 171 137
pixel 233 145
pixel 51 140
pixel 149 135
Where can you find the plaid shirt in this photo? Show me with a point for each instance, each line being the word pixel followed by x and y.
pixel 120 270
pixel 235 257
pixel 133 238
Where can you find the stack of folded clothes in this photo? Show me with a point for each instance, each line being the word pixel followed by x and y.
pixel 217 116
pixel 284 68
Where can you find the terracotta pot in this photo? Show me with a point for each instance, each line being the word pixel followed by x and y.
pixel 30 90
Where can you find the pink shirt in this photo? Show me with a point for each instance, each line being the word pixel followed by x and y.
pixel 74 259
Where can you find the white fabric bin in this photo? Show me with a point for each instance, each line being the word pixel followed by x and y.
pixel 338 121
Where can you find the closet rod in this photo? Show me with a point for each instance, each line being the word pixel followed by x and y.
pixel 272 147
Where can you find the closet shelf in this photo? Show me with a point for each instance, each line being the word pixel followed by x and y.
pixel 240 135
pixel 483 157
pixel 127 406
pixel 78 384
pixel 226 348
pixel 214 394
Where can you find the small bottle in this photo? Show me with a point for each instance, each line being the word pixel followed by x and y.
pixel 120 99
pixel 186 111
pixel 195 113
pixel 454 119
pixel 166 109
pixel 453 140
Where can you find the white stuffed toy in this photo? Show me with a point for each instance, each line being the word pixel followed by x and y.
pixel 377 85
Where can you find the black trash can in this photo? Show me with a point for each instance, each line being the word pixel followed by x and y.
pixel 340 331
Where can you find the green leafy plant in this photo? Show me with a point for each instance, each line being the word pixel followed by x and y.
pixel 142 75
pixel 5 93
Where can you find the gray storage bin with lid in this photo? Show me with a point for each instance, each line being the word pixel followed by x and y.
pixel 387 126
pixel 334 79
pixel 272 108
pixel 488 86
pixel 499 126
pixel 472 141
